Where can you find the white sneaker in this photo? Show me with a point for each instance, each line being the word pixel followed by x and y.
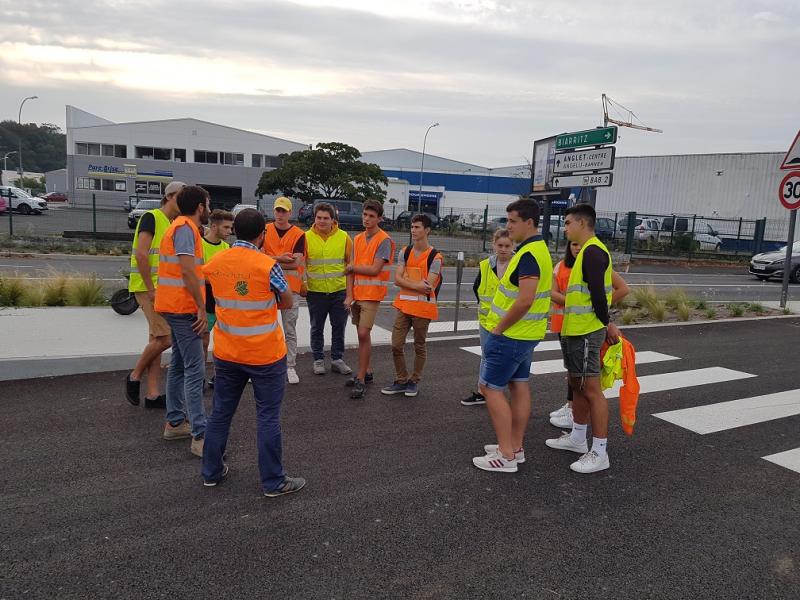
pixel 560 411
pixel 494 448
pixel 562 420
pixel 565 442
pixel 291 375
pixel 591 462
pixel 319 367
pixel 339 366
pixel 495 462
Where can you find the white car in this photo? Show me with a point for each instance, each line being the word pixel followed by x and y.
pixel 22 202
pixel 240 207
pixel 141 208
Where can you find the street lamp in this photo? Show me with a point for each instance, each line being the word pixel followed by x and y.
pixel 422 166
pixel 5 164
pixel 19 155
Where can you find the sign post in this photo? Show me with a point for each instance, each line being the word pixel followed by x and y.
pixel 789 195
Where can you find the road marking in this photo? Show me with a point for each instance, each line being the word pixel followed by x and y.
pixel 681 379
pixel 557 366
pixel 703 285
pixel 440 326
pixel 18 266
pixel 789 459
pixel 711 418
pixel 540 347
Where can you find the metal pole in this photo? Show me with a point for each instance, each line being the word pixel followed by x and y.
pixel 19 156
pixel 787 261
pixel 459 275
pixel 422 166
pixel 94 214
pixel 738 237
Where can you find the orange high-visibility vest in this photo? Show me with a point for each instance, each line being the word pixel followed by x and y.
pixel 171 293
pixel 364 286
pixel 412 302
pixel 275 245
pixel 247 329
pixel 557 310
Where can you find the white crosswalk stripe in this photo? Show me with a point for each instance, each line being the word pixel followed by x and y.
pixel 681 379
pixel 789 459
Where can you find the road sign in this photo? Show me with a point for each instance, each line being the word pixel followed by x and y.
pixel 543 159
pixel 589 137
pixel 597 159
pixel 591 180
pixel 789 191
pixel 792 158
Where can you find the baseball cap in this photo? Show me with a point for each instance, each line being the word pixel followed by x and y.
pixel 284 203
pixel 174 187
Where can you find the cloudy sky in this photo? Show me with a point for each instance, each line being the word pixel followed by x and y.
pixel 715 75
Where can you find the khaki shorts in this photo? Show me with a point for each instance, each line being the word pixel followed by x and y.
pixel 158 325
pixel 364 312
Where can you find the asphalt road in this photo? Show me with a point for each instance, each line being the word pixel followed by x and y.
pixel 96 505
pixel 723 284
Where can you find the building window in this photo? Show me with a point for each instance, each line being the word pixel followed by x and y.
pixel 180 154
pixel 204 156
pixel 120 185
pixel 232 158
pixel 140 186
pixel 147 152
pixel 88 183
pixel 108 185
pixel 162 153
pixel 154 187
pixel 273 162
pixel 257 160
pixel 120 151
pixel 108 149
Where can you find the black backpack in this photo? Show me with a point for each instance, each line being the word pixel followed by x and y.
pixel 431 258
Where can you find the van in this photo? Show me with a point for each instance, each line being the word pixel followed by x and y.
pixel 348 212
pixel 22 202
pixel 705 236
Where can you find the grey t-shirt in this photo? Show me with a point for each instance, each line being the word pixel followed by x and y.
pixel 184 240
pixel 384 250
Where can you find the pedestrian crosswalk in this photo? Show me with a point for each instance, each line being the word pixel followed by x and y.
pixel 705 419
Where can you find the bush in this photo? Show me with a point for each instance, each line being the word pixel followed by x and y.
pixel 787 311
pixel 13 292
pixel 683 311
pixel 54 291
pixel 711 313
pixel 629 316
pixel 675 298
pixel 658 310
pixel 757 308
pixel 645 297
pixel 700 305
pixel 736 310
pixel 85 292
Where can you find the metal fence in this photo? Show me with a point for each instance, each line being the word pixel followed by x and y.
pixel 470 230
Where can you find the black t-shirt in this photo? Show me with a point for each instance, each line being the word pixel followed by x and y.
pixel 595 263
pixel 300 245
pixel 527 265
pixel 147 223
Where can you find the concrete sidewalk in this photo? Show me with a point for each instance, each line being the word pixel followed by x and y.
pixel 44 342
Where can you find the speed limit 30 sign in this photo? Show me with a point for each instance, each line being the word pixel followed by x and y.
pixel 789 192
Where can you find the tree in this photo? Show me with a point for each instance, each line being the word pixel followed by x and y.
pixel 44 147
pixel 35 184
pixel 331 170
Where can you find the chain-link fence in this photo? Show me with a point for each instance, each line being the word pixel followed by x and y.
pixel 467 230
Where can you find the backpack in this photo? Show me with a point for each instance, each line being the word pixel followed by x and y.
pixel 431 258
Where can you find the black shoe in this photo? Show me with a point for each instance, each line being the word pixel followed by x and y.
pixel 159 402
pixel 358 390
pixel 132 390
pixel 474 400
pixel 215 482
pixel 367 379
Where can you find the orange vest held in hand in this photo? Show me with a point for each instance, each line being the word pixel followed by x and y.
pixel 367 287
pixel 561 281
pixel 275 245
pixel 247 329
pixel 172 296
pixel 412 302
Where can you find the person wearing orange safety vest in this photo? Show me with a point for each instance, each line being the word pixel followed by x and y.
pixel 181 300
pixel 286 244
pixel 249 288
pixel 373 250
pixel 418 272
pixel 562 417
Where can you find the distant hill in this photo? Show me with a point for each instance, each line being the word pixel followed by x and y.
pixel 44 147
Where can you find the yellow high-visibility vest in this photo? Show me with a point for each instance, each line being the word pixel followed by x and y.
pixel 135 281
pixel 579 315
pixel 325 262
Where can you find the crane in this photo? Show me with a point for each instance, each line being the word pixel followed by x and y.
pixel 608 102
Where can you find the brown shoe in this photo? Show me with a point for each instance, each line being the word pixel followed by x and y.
pixel 177 432
pixel 197 446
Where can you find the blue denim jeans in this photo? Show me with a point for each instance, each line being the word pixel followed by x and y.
pixel 505 360
pixel 269 384
pixel 186 373
pixel 320 307
pixel 484 335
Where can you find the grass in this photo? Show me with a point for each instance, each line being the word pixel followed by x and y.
pixel 701 305
pixel 683 311
pixel 757 308
pixel 55 290
pixel 59 290
pixel 12 292
pixel 675 298
pixel 629 315
pixel 86 292
pixel 645 297
pixel 736 310
pixel 658 310
pixel 711 313
pixel 786 311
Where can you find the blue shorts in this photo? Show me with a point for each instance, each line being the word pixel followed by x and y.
pixel 505 360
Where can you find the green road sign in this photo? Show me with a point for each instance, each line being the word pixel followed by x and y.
pixel 589 137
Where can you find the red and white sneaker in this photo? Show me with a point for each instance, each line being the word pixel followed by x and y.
pixel 495 462
pixel 519 455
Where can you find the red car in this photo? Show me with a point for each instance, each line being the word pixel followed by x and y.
pixel 55 197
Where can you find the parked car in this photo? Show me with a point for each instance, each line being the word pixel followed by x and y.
pixel 496 223
pixel 403 220
pixel 348 212
pixel 141 208
pixel 55 197
pixel 3 205
pixel 22 202
pixel 605 229
pixel 704 235
pixel 771 264
pixel 240 207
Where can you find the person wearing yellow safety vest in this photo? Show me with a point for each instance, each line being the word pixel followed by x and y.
pixel 517 322
pixel 373 249
pixel 562 417
pixel 586 326
pixel 249 287
pixel 143 281
pixel 285 243
pixel 330 290
pixel 180 298
pixel 220 226
pixel 490 272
